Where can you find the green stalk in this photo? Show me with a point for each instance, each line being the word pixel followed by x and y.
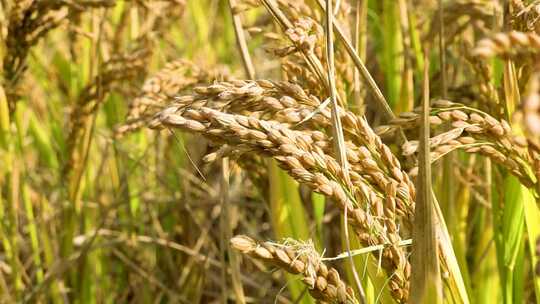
pixel 406 97
pixel 532 223
pixel 9 176
pixel 38 132
pixel 79 178
pixel 391 51
pixel 5 160
pixel 508 215
pixel 4 119
pixel 485 279
pixel 28 208
pixel 514 258
pixel 46 236
pixel 319 202
pixel 416 45
pixel 32 228
pixel 457 224
pixel 12 193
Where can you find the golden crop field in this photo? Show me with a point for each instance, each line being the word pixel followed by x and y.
pixel 270 151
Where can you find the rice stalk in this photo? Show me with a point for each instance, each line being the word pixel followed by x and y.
pixel 426 283
pixel 337 132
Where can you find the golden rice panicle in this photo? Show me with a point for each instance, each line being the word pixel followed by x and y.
pixel 488 95
pixel 300 154
pixel 163 87
pixel 473 131
pixel 323 282
pixel 306 35
pixel 288 103
pixel 507 45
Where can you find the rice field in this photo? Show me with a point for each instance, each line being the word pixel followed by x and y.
pixel 269 151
